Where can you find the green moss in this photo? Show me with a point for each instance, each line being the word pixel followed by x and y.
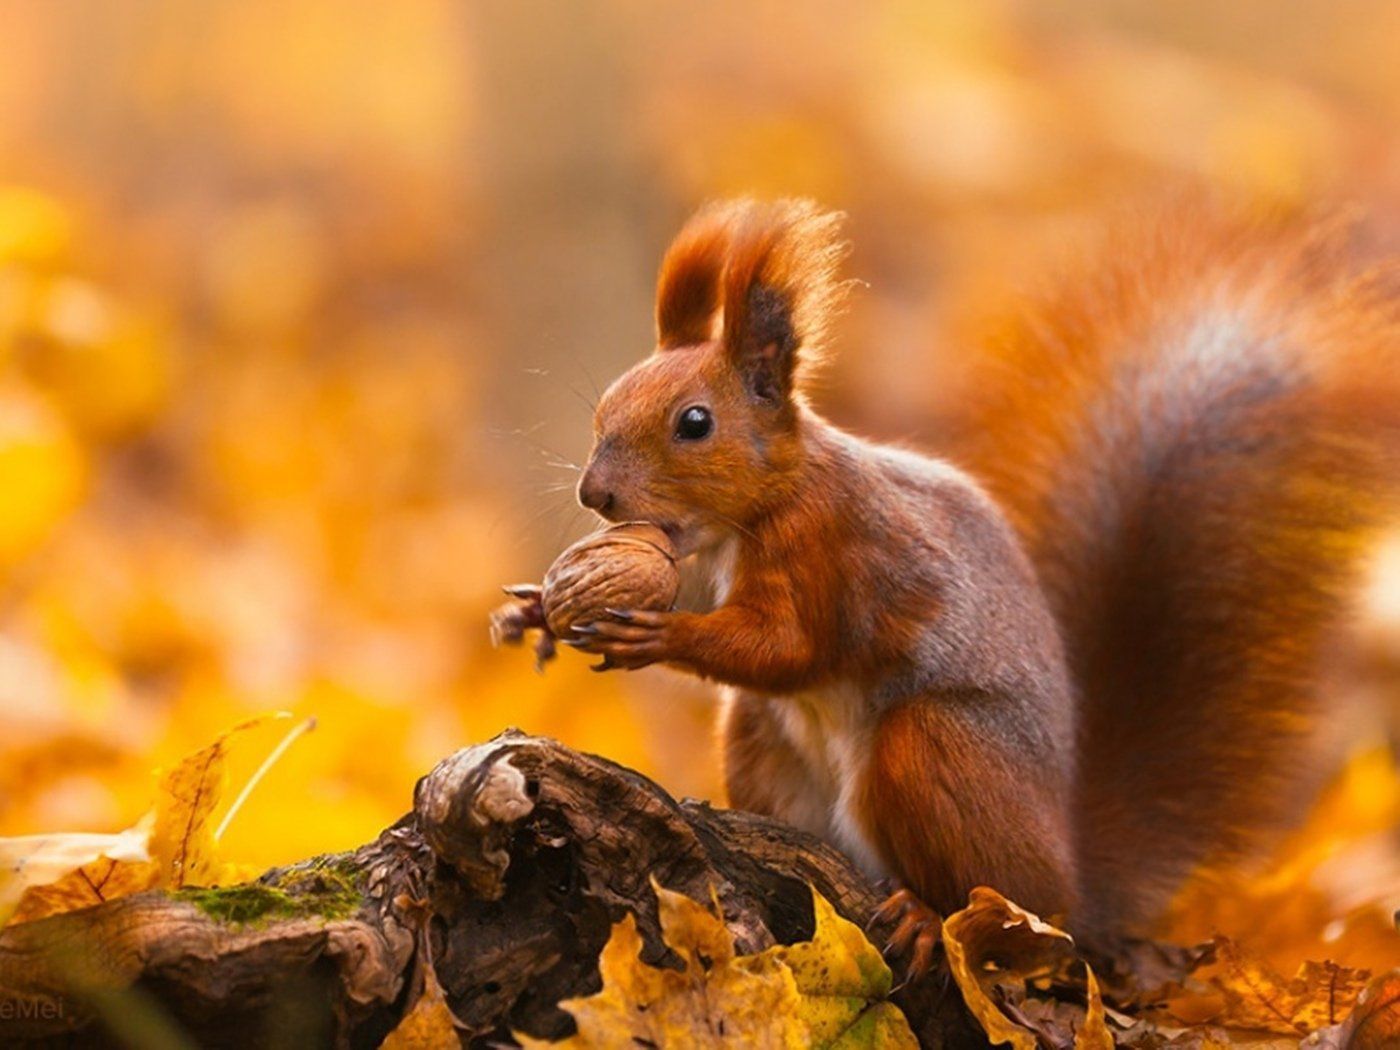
pixel 238 905
pixel 325 887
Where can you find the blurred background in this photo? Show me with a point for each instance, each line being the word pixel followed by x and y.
pixel 303 305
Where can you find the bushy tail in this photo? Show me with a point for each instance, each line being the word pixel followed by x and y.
pixel 1192 438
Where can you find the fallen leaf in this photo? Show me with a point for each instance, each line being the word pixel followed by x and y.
pixel 1094 1033
pixel 429 1024
pixel 1255 996
pixel 173 845
pixel 843 981
pixel 182 841
pixel 1373 1025
pixel 826 992
pixel 992 941
pixel 61 872
pixel 1143 972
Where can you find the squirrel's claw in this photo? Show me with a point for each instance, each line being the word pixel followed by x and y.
pixel 626 639
pixel 916 936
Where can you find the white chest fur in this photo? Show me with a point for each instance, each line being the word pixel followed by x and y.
pixel 711 575
pixel 721 565
pixel 829 729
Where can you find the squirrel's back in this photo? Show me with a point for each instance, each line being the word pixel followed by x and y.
pixel 1191 439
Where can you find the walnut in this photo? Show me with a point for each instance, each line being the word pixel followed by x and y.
pixel 629 566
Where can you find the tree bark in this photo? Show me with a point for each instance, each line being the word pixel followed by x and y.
pixel 508 874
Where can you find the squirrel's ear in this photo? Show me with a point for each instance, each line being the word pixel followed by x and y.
pixel 780 293
pixel 688 287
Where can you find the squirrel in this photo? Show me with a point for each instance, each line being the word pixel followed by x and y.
pixel 1078 664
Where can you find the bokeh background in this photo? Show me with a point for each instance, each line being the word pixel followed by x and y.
pixel 303 304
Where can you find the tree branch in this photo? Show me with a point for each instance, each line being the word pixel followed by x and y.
pixel 508 874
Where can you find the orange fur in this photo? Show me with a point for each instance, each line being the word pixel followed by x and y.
pixel 769 269
pixel 969 814
pixel 780 281
pixel 687 289
pixel 1191 439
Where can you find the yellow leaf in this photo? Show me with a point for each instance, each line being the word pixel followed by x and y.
pixel 101 880
pixel 182 841
pixel 1258 997
pixel 994 940
pixel 429 1025
pixel 842 979
pixel 53 873
pixel 1093 1034
pixel 173 845
pixel 825 992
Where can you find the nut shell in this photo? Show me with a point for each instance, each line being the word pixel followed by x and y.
pixel 629 566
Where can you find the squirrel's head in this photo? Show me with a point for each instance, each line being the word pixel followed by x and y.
pixel 705 434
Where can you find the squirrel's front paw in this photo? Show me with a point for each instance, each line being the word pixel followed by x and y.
pixel 628 639
pixel 524 612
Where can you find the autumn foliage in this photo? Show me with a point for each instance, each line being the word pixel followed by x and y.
pixel 302 310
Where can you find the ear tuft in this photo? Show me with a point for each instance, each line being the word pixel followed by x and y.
pixel 688 288
pixel 780 291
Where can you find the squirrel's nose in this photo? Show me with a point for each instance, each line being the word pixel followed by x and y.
pixel 593 495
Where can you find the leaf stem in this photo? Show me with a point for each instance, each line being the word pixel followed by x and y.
pixel 298 730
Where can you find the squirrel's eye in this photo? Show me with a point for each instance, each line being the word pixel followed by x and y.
pixel 694 424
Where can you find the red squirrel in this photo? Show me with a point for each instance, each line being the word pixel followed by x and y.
pixel 1073 668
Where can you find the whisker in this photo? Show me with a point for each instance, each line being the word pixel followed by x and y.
pixel 536 468
pixel 592 381
pixel 554 459
pixel 525 513
pixel 558 486
pixel 568 527
pixel 559 464
pixel 546 453
pixel 590 404
pixel 516 432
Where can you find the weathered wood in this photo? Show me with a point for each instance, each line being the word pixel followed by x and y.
pixel 518 857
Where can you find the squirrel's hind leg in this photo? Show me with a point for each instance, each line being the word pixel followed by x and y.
pixel 949 806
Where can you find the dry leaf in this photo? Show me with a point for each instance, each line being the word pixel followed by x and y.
pixel 1373 1025
pixel 843 981
pixel 993 940
pixel 1094 1033
pixel 827 992
pixel 182 841
pixel 1144 972
pixel 429 1025
pixel 702 1006
pixel 173 845
pixel 1256 997
pixel 54 873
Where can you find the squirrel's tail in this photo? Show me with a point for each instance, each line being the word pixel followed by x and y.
pixel 1192 438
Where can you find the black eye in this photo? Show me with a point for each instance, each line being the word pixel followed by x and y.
pixel 694 424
